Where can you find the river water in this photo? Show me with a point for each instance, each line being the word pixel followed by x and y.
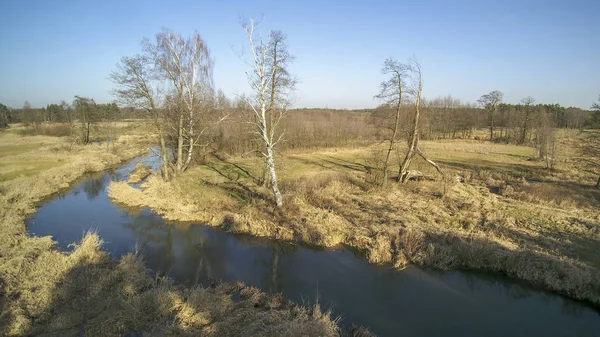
pixel 411 302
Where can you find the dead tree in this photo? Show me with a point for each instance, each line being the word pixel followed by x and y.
pixel 271 85
pixel 490 102
pixel 413 142
pixel 391 92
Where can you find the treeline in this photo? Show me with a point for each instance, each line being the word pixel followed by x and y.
pixel 442 118
pixel 82 119
pixel 300 129
pixel 448 118
pixel 62 112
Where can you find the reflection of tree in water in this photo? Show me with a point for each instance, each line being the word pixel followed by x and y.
pixel 479 282
pixel 185 252
pixel 95 185
pixel 115 175
pixel 278 250
pixel 514 290
pixel 572 308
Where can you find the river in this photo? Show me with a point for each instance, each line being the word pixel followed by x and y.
pixel 410 302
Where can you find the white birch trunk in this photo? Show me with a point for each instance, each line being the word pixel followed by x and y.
pixel 273 173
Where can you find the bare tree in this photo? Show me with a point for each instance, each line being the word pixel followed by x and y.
pixel 271 84
pixel 4 116
pixel 490 102
pixel 413 136
pixel 592 147
pixel 392 92
pixel 545 138
pixel 187 66
pixel 31 117
pixel 88 115
pixel 137 87
pixel 595 115
pixel 528 109
pixel 222 102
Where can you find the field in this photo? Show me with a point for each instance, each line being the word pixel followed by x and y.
pixel 47 292
pixel 497 208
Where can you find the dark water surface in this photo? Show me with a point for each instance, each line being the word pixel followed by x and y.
pixel 411 302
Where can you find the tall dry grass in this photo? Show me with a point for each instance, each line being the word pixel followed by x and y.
pixel 139 173
pixel 47 292
pixel 481 222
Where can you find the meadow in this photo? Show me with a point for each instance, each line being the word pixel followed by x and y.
pixel 47 292
pixel 497 208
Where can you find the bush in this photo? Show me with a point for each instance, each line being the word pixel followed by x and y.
pixel 52 130
pixel 56 130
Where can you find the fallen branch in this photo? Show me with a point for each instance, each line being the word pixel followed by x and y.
pixel 437 167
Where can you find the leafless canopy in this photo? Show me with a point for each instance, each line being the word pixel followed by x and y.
pixel 172 79
pixel 490 102
pixel 392 92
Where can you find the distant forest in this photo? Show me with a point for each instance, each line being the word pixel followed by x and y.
pixel 442 118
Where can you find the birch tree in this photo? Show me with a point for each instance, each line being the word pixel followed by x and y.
pixel 138 87
pixel 187 66
pixel 490 102
pixel 392 92
pixel 416 75
pixel 271 85
pixel 172 81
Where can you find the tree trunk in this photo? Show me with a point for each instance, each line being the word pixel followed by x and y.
pixel 414 139
pixel 180 144
pixel 165 154
pixel 275 271
pixel 271 168
pixel 385 164
pixel 87 136
pixel 393 140
pixel 491 126
pixel 406 164
pixel 525 126
pixel 191 140
pixel 190 153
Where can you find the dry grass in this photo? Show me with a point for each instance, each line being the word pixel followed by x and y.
pixel 86 290
pixel 509 215
pixel 46 292
pixel 139 173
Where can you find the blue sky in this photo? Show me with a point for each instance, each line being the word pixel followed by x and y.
pixel 53 50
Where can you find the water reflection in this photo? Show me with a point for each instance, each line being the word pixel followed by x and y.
pixel 93 186
pixel 186 253
pixel 390 302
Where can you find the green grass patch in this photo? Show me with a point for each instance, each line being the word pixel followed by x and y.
pixel 14 150
pixel 12 170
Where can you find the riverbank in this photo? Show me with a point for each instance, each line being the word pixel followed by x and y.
pixel 44 291
pixel 497 210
